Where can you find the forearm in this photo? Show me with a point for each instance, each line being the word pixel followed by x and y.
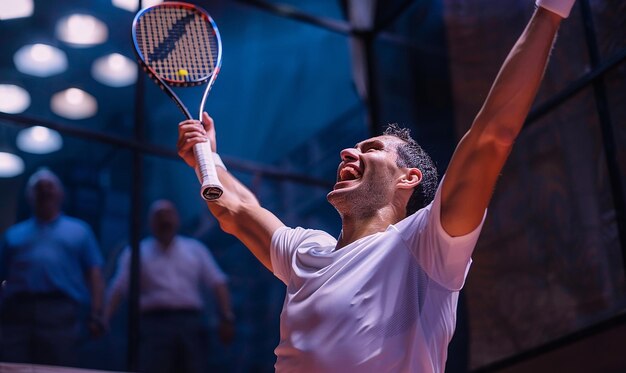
pixel 482 152
pixel 97 291
pixel 239 213
pixel 223 300
pixel 235 198
pixel 112 303
pixel 237 210
pixel 516 85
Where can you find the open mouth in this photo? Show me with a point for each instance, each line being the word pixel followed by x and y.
pixel 349 173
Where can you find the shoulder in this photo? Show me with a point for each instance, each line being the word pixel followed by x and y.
pixel 417 220
pixel 20 228
pixel 189 243
pixel 70 222
pixel 17 234
pixel 191 246
pixel 301 237
pixel 313 248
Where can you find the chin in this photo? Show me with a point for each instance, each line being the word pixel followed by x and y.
pixel 344 197
pixel 339 189
pixel 335 196
pixel 331 195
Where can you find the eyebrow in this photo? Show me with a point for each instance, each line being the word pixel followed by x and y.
pixel 369 143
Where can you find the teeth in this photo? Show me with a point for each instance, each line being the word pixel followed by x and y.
pixel 349 173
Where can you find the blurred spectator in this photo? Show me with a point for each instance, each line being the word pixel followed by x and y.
pixel 174 330
pixel 50 269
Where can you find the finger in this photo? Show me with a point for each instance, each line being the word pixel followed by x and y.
pixel 188 140
pixel 207 121
pixel 185 144
pixel 189 121
pixel 195 127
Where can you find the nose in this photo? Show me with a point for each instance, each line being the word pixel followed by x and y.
pixel 349 154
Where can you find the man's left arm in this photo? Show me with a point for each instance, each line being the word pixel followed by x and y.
pixel 96 287
pixel 226 328
pixel 222 294
pixel 483 150
pixel 92 264
pixel 214 278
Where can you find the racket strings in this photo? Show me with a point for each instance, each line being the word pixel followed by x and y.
pixel 179 44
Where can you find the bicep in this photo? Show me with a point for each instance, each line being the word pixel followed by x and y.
pixel 254 226
pixel 470 180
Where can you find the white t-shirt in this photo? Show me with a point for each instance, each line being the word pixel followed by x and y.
pixel 384 303
pixel 171 278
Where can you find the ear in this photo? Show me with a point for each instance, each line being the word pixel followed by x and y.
pixel 410 179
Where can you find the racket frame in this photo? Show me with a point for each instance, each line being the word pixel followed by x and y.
pixel 211 190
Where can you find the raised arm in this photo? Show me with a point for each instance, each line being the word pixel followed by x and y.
pixel 482 152
pixel 237 210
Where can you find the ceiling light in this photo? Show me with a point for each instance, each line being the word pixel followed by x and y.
pixel 14 99
pixel 39 140
pixel 16 9
pixel 40 60
pixel 10 165
pixel 132 5
pixel 74 103
pixel 114 70
pixel 81 30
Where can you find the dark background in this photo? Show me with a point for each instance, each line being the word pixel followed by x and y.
pixel 549 261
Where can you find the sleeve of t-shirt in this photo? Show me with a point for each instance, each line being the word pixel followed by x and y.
pixel 285 242
pixel 92 257
pixel 446 259
pixel 211 272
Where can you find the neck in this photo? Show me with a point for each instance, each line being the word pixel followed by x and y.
pixel 46 216
pixel 354 228
pixel 165 242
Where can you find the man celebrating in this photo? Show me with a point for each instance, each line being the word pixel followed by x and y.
pixel 383 296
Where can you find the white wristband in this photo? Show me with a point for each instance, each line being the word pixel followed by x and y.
pixel 560 7
pixel 218 161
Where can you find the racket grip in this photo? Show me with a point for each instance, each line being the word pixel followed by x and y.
pixel 211 187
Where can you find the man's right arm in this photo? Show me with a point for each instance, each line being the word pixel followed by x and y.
pixel 118 288
pixel 237 210
pixel 482 152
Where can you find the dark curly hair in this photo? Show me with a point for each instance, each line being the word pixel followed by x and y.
pixel 410 154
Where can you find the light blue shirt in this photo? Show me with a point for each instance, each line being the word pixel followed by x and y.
pixel 50 257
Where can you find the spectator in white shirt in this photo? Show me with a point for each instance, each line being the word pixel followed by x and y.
pixel 174 269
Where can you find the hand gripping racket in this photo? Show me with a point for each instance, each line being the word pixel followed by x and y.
pixel 179 45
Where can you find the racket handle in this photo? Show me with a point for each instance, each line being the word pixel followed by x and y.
pixel 211 187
